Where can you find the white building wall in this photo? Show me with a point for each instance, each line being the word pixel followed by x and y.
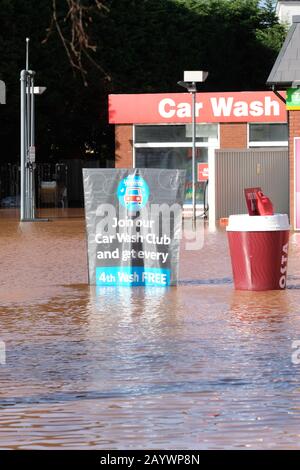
pixel 286 10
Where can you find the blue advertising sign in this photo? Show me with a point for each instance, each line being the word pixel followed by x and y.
pixel 133 223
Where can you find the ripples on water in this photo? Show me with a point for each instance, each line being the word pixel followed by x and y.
pixel 197 366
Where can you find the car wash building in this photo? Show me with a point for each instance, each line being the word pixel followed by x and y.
pixel 241 141
pixel 285 74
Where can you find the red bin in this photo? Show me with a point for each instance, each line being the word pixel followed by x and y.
pixel 259 251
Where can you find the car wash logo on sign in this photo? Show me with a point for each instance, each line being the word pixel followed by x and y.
pixel 133 192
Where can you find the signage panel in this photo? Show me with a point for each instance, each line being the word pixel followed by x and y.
pixel 293 99
pixel 210 107
pixel 202 171
pixel 133 223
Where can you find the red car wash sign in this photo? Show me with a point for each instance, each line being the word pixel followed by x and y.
pixel 202 172
pixel 210 107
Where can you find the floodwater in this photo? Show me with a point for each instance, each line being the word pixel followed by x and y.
pixel 199 366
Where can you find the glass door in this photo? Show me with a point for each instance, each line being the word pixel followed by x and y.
pixel 170 146
pixel 175 158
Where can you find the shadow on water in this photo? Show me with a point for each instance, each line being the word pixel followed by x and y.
pixel 146 391
pixel 229 281
pixel 205 282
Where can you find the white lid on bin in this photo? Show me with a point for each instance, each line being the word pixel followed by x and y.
pixel 258 223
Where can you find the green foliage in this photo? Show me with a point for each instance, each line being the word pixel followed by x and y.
pixel 144 45
pixel 232 39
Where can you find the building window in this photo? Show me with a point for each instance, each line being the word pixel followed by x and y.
pixel 170 146
pixel 174 158
pixel 268 135
pixel 174 133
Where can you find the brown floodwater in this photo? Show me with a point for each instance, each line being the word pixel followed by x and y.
pixel 200 366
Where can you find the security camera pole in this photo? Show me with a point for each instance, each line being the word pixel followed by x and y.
pixel 28 90
pixel 191 78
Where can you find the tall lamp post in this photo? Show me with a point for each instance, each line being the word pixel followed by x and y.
pixel 189 82
pixel 28 90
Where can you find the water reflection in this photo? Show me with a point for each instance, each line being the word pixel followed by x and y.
pixel 197 366
pixel 270 307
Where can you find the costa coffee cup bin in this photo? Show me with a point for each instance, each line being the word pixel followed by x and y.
pixel 259 251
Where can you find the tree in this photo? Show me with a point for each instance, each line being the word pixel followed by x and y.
pixel 123 46
pixel 75 38
pixel 149 43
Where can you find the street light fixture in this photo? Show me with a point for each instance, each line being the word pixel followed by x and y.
pixel 190 80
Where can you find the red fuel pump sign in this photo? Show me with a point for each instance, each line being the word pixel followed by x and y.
pixel 257 202
pixel 202 171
